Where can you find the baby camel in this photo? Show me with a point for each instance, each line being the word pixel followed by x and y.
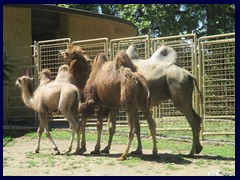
pixel 48 97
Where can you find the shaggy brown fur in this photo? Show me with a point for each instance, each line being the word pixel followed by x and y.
pixel 78 65
pixel 49 97
pixel 117 83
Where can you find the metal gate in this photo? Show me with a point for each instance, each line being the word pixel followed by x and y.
pixel 218 81
pixel 211 60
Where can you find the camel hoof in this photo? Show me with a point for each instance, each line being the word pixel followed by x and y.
pixel 199 149
pixel 190 155
pixel 95 152
pixel 36 151
pixel 155 152
pixel 105 151
pixel 121 158
pixel 80 151
pixel 57 153
pixel 137 152
pixel 68 151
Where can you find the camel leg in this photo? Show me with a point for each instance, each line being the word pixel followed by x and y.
pixel 83 143
pixel 44 119
pixel 139 147
pixel 152 127
pixel 69 115
pixel 195 122
pixel 39 131
pixel 131 133
pixel 76 116
pixel 112 126
pixel 99 131
pixel 181 95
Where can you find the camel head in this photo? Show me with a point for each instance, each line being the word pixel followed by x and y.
pixel 72 53
pixel 25 82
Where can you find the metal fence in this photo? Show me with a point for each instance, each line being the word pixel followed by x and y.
pixel 217 55
pixel 210 59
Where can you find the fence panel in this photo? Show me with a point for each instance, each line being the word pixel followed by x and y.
pixel 48 56
pixel 218 79
pixel 93 46
pixel 167 115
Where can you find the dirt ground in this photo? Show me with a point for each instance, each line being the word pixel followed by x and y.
pixel 19 160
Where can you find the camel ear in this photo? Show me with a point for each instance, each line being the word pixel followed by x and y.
pixel 17 81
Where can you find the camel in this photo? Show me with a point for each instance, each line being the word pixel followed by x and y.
pixel 166 80
pixel 48 97
pixel 80 68
pixel 118 84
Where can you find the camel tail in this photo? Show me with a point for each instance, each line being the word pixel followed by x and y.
pixel 145 89
pixel 195 82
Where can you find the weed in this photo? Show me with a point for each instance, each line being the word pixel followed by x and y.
pixel 171 166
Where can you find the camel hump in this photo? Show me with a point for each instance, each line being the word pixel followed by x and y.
pixel 99 60
pixel 45 73
pixel 45 76
pixel 123 60
pixel 167 54
pixel 63 67
pixel 132 52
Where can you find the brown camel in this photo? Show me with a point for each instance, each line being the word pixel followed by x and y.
pixel 118 84
pixel 49 97
pixel 80 68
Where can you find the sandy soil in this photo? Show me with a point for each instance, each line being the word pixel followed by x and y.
pixel 19 159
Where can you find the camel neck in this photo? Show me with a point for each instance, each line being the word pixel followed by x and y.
pixel 27 96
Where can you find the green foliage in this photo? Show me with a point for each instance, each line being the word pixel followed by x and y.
pixel 158 20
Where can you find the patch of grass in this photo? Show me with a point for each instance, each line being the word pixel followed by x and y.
pixel 32 163
pixel 171 166
pixel 220 150
pixel 200 162
pixel 163 144
pixel 131 161
pixel 8 141
pixel 111 163
pixel 227 169
pixel 87 170
pixel 5 161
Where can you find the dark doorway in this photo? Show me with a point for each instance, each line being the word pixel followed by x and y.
pixel 44 25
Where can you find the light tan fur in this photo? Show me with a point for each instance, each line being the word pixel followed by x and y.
pixel 49 97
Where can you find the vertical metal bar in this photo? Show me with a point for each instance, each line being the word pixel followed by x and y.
pixel 35 69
